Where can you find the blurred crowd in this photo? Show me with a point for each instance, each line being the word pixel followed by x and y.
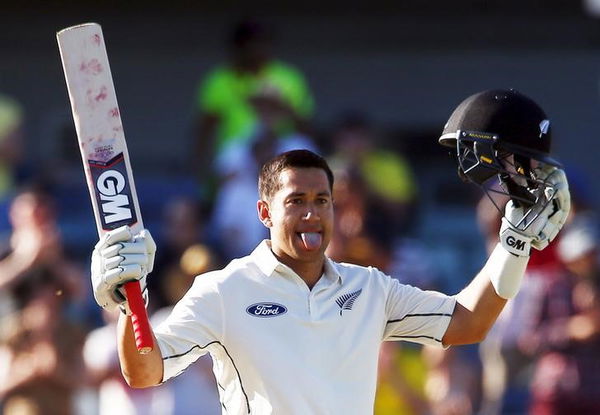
pixel 58 349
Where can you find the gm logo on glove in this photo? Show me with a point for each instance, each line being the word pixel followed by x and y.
pixel 515 243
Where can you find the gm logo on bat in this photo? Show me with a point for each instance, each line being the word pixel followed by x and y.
pixel 264 310
pixel 113 192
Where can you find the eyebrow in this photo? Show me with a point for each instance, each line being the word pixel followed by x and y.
pixel 299 194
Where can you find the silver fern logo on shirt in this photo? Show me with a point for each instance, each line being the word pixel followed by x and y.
pixel 346 301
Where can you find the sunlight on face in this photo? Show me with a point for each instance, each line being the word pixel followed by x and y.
pixel 300 214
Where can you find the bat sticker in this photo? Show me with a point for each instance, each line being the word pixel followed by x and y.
pixel 113 193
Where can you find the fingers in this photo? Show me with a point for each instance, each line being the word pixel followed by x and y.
pixel 557 178
pixel 146 236
pixel 121 234
pixel 112 262
pixel 557 186
pixel 123 274
pixel 124 253
pixel 550 213
pixel 544 171
pixel 150 247
pixel 127 264
pixel 563 198
pixel 120 257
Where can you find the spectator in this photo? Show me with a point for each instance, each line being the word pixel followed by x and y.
pixel 41 285
pixel 228 97
pixel 34 250
pixel 182 227
pixel 401 380
pixel 234 219
pixel 11 136
pixel 356 151
pixel 506 368
pixel 566 341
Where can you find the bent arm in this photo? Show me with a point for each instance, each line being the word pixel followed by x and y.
pixel 479 305
pixel 139 370
pixel 477 308
pixel 11 269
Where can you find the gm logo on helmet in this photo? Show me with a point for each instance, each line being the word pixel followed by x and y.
pixel 265 310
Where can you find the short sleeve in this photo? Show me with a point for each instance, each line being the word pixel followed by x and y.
pixel 194 325
pixel 417 316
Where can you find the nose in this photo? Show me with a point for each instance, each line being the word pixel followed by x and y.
pixel 311 214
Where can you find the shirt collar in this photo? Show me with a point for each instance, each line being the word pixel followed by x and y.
pixel 268 264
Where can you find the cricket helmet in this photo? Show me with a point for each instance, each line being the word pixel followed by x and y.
pixel 500 133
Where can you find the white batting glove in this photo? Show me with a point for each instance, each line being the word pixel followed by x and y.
pixel 517 235
pixel 120 257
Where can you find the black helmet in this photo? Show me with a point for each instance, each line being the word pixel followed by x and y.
pixel 500 133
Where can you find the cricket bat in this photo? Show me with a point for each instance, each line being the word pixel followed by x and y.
pixel 103 148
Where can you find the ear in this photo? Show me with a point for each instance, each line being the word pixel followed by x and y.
pixel 264 213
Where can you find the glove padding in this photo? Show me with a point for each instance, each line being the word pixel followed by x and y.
pixel 120 257
pixel 517 236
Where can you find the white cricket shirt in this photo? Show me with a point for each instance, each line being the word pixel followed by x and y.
pixel 280 348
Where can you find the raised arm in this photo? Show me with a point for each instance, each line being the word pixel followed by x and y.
pixel 480 303
pixel 139 370
pixel 120 257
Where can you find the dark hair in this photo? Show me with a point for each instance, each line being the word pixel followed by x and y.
pixel 248 30
pixel 268 180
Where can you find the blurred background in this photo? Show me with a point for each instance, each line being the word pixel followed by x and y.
pixel 207 92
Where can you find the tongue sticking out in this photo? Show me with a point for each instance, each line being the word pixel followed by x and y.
pixel 312 240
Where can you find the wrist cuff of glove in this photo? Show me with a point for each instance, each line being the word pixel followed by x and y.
pixel 505 271
pixel 515 242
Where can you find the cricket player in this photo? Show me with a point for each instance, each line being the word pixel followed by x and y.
pixel 292 332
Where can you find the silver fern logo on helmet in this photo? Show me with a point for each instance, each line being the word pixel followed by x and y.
pixel 544 125
pixel 500 139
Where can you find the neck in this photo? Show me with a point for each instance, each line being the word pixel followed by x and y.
pixel 309 271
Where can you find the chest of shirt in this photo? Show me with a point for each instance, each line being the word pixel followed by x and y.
pixel 282 320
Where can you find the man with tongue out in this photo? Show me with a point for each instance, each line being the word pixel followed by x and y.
pixel 296 205
pixel 290 331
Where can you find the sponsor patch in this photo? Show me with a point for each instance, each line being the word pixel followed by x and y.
pixel 113 192
pixel 265 310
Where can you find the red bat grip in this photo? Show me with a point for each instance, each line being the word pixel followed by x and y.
pixel 139 318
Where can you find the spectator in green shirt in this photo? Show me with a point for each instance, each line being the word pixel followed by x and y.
pixel 11 137
pixel 229 94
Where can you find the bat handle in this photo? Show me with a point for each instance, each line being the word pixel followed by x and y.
pixel 139 318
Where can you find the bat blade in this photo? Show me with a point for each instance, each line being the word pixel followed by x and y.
pixel 103 147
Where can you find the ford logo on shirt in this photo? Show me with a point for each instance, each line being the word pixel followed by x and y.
pixel 264 310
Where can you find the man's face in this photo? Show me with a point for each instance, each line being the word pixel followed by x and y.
pixel 299 215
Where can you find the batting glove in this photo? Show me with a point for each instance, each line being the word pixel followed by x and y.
pixel 525 227
pixel 120 257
